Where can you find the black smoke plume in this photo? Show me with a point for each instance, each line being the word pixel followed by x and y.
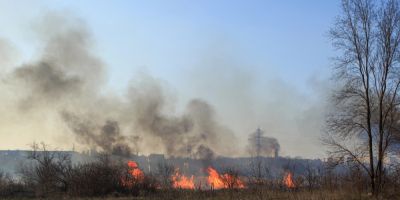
pixel 68 79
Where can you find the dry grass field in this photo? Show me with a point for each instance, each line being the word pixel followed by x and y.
pixel 237 195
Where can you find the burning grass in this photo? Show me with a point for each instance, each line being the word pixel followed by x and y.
pixel 214 180
pixel 135 171
pixel 180 181
pixel 223 181
pixel 288 180
pixel 126 180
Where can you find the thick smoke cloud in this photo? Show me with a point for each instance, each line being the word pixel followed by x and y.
pixel 107 136
pixel 66 83
pixel 66 68
pixel 195 133
pixel 46 82
pixel 61 90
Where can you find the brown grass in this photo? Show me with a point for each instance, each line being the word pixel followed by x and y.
pixel 240 194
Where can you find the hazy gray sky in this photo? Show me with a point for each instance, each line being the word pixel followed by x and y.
pixel 257 63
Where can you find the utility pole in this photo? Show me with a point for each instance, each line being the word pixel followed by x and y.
pixel 258 141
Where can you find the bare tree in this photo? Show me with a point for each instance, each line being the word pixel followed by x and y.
pixel 365 119
pixel 329 177
pixel 312 176
pixel 49 171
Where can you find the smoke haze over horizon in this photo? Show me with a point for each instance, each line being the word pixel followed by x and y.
pixel 65 94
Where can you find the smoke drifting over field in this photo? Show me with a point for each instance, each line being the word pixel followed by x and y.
pixel 67 80
pixel 61 97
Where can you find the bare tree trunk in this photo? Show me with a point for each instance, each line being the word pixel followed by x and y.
pixel 368 33
pixel 355 33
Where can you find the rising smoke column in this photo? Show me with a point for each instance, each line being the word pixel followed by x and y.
pixel 195 133
pixel 67 82
pixel 107 136
pixel 66 70
pixel 67 78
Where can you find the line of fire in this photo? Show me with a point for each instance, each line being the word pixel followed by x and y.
pixel 263 165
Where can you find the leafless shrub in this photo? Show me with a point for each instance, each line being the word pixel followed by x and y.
pixel 96 178
pixel 312 176
pixel 8 186
pixel 51 173
pixel 48 172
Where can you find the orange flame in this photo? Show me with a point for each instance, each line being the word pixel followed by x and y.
pixel 181 181
pixel 288 180
pixel 134 176
pixel 214 179
pixel 217 181
pixel 135 171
